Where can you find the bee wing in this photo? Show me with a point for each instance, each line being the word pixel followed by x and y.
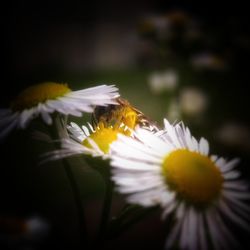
pixel 145 122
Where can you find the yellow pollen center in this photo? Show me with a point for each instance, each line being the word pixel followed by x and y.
pixel 193 176
pixel 39 93
pixel 104 136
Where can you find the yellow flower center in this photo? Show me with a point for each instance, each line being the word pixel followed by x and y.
pixel 193 176
pixel 104 136
pixel 39 93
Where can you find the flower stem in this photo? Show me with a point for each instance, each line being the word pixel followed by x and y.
pixel 107 202
pixel 106 209
pixel 78 203
pixel 58 132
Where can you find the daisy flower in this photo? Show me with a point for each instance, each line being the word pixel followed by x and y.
pixel 193 101
pixel 201 191
pixel 94 141
pixel 160 82
pixel 208 61
pixel 49 97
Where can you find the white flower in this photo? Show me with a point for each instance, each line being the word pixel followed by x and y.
pixel 17 229
pixel 193 101
pixel 46 98
pixel 175 170
pixel 36 228
pixel 234 134
pixel 163 81
pixel 87 141
pixel 208 61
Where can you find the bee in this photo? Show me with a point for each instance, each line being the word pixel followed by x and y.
pixel 123 113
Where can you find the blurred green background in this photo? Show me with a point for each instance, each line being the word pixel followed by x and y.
pixel 169 59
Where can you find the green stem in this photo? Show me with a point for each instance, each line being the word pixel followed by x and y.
pixel 128 217
pixel 78 203
pixel 138 217
pixel 107 202
pixel 57 132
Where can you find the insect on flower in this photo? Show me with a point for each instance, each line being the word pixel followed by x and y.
pixel 123 113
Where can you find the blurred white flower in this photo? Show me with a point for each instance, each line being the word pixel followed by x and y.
pixel 193 101
pixel 36 228
pixel 234 134
pixel 208 61
pixel 13 230
pixel 163 81
pixel 160 23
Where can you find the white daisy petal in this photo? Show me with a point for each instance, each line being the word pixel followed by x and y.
pixel 237 185
pixel 85 130
pixel 185 230
pixel 140 146
pixel 138 188
pixel 242 208
pixel 9 128
pixel 230 165
pixel 133 153
pixel 195 144
pixel 175 231
pixel 233 216
pixel 146 198
pixel 143 180
pixel 101 89
pixel 189 141
pixel 124 173
pixel 193 229
pixel 213 230
pixel 236 194
pixel 203 146
pixel 24 118
pixel 168 198
pixel 91 127
pixel 123 163
pixel 155 143
pixel 46 118
pixel 214 158
pixel 228 236
pixel 70 148
pixel 169 208
pixel 201 232
pixel 73 106
pixel 231 175
pixel 172 133
pixel 220 162
pixel 181 136
pixel 5 112
pixel 8 118
pixel 76 132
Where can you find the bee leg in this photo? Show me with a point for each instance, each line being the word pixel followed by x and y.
pixel 130 118
pixel 119 119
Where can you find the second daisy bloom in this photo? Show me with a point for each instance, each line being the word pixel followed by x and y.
pixel 173 169
pixel 49 97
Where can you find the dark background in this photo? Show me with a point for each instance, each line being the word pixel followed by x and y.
pixel 89 43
